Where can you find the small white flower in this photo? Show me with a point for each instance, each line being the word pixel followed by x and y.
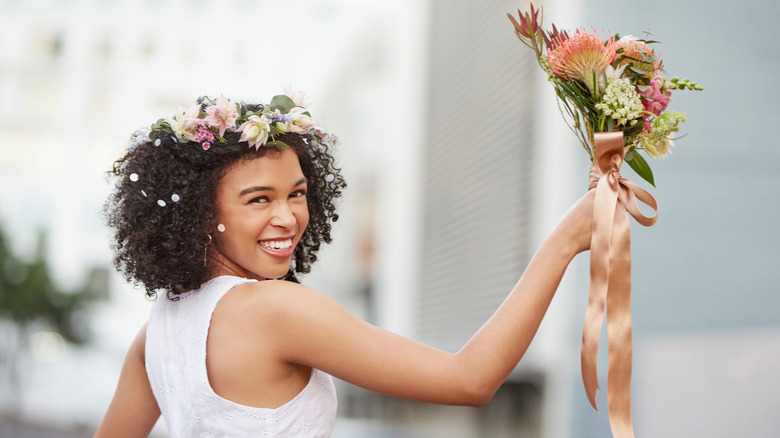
pixel 621 102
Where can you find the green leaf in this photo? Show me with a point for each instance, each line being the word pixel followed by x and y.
pixel 637 70
pixel 274 131
pixel 276 144
pixel 640 166
pixel 281 102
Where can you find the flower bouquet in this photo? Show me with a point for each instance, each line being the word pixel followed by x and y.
pixel 610 84
pixel 614 97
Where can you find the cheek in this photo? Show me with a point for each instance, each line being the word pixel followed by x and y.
pixel 303 218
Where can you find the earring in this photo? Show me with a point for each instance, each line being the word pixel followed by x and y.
pixel 221 228
pixel 206 251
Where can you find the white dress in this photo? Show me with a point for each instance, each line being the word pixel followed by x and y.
pixel 176 365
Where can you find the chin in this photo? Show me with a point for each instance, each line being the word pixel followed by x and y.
pixel 276 274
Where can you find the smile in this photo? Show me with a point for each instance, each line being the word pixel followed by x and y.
pixel 276 245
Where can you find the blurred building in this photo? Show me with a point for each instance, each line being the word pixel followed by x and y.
pixel 458 165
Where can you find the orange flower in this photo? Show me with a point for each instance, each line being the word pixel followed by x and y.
pixel 582 56
pixel 638 56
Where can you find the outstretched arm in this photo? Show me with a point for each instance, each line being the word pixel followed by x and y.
pixel 133 410
pixel 314 330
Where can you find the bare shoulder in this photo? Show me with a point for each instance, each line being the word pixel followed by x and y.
pixel 271 292
pixel 271 300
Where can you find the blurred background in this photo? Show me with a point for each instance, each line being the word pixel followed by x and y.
pixel 458 165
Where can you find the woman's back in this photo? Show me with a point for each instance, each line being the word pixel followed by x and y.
pixel 176 361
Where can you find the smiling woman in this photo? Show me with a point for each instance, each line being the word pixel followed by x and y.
pixel 214 204
pixel 261 204
pixel 164 207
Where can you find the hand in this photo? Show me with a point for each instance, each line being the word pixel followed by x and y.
pixel 576 225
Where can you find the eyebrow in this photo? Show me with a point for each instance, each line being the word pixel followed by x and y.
pixel 267 188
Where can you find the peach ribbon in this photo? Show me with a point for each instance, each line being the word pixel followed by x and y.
pixel 610 278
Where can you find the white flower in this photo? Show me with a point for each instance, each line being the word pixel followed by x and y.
pixel 657 148
pixel 659 141
pixel 611 74
pixel 255 131
pixel 299 122
pixel 622 102
pixel 185 123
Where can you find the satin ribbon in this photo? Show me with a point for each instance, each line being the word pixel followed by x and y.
pixel 610 278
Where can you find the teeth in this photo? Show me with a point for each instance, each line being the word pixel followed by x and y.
pixel 276 245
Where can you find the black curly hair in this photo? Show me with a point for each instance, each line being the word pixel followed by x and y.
pixel 163 208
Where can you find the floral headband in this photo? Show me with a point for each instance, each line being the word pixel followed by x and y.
pixel 207 121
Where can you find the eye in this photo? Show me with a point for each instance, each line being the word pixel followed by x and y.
pixel 298 193
pixel 258 200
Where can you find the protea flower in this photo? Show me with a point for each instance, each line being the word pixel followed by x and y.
pixel 638 57
pixel 582 56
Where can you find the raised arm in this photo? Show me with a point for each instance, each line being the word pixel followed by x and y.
pixel 133 410
pixel 314 330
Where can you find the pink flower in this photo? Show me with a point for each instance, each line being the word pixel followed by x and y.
pixel 255 131
pixel 582 57
pixel 655 100
pixel 185 123
pixel 222 116
pixel 205 136
pixel 297 96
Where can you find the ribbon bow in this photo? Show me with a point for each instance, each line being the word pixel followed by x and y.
pixel 610 278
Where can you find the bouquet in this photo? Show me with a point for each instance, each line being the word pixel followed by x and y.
pixel 614 96
pixel 610 84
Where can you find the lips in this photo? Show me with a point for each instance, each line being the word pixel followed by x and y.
pixel 278 247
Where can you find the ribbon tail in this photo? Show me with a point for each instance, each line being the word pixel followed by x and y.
pixel 619 328
pixel 629 194
pixel 603 218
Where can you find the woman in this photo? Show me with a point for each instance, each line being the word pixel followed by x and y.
pixel 214 204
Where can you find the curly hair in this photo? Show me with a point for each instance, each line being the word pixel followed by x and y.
pixel 163 208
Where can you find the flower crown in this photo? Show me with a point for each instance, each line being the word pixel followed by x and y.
pixel 207 121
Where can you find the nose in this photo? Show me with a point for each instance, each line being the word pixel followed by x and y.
pixel 282 215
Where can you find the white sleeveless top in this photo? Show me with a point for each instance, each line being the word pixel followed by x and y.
pixel 176 365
